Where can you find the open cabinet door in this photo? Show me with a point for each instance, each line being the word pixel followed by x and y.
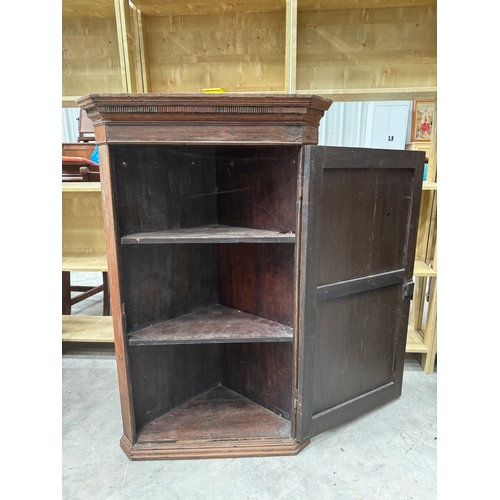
pixel 358 235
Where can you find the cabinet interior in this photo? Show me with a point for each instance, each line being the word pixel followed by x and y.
pixel 208 265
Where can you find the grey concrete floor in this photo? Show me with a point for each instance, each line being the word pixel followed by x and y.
pixel 389 454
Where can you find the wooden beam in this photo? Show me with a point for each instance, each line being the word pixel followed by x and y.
pixel 291 47
pixel 125 45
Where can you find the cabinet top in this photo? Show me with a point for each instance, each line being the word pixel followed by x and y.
pixel 205 118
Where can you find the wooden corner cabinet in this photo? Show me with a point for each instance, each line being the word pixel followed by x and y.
pixel 260 283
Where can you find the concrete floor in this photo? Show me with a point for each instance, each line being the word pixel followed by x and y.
pixel 389 454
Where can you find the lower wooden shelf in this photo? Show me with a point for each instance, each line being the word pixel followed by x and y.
pixel 219 423
pixel 415 342
pixel 81 328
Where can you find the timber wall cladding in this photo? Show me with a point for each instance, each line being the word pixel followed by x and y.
pixel 235 51
pixel 367 48
pixel 338 48
pixel 90 50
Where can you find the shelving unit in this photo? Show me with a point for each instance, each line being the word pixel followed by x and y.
pixel 422 329
pixel 83 250
pixel 234 244
pixel 346 51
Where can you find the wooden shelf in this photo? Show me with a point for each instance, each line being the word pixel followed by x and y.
pixel 216 324
pixel 415 342
pixel 87 328
pixel 429 186
pixel 210 234
pixel 422 269
pixel 217 414
pixel 81 187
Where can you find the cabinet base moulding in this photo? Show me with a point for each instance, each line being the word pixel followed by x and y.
pixel 211 449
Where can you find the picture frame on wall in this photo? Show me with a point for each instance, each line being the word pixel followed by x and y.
pixel 422 120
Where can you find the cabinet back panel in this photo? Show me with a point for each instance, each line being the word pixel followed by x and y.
pixel 165 377
pixel 262 372
pixel 161 282
pixel 163 187
pixel 258 187
pixel 258 278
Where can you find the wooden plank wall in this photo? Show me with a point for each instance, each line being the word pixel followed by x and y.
pixel 90 57
pixel 355 49
pixel 348 51
pixel 238 52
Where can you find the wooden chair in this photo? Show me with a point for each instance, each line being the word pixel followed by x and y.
pixel 83 242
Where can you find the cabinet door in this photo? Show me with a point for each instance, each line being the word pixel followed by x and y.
pixel 359 220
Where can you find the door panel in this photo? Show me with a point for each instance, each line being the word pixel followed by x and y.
pixel 359 220
pixel 371 220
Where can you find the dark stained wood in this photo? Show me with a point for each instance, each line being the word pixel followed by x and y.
pixel 165 377
pixel 210 234
pixel 218 448
pixel 358 285
pixel 258 187
pixel 161 282
pixel 205 119
pixel 354 346
pixel 115 286
pixel 182 180
pixel 261 372
pixel 215 415
pixel 258 279
pixel 330 269
pixel 366 211
pixel 216 324
pixel 371 219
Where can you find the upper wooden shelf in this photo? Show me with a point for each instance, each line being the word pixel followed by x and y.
pixel 216 324
pixel 210 234
pixel 429 186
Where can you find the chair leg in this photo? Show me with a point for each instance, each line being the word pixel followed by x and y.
pixel 66 292
pixel 106 298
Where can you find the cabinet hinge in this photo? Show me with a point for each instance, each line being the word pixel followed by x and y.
pixel 408 289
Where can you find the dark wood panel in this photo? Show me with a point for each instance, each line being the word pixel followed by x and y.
pixel 258 279
pixel 355 345
pixel 218 414
pixel 363 223
pixel 258 187
pixel 216 324
pixel 165 377
pixel 210 234
pixel 262 372
pixel 161 282
pixel 159 188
